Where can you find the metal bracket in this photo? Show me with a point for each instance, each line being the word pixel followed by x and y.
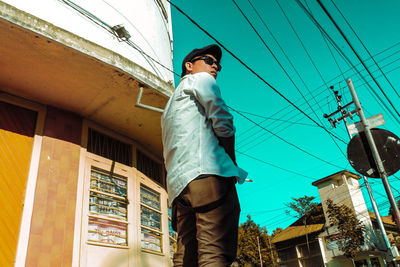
pixel 138 104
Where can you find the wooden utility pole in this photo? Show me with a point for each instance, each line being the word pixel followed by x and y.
pixel 270 248
pixel 259 251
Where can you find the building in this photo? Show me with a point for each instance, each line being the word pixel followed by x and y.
pixel 82 180
pixel 341 188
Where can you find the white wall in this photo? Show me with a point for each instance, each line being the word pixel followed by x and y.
pixel 149 29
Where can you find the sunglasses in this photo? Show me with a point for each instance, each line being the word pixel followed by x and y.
pixel 208 60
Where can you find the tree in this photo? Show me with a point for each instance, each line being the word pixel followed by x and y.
pixel 395 241
pixel 247 254
pixel 302 208
pixel 276 231
pixel 351 230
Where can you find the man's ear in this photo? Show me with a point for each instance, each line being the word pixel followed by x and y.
pixel 189 67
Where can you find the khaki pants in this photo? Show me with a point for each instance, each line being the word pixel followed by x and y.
pixel 207 237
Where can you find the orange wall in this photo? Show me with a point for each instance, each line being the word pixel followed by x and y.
pixel 17 127
pixel 52 228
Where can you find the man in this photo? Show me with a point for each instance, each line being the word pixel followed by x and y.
pixel 198 138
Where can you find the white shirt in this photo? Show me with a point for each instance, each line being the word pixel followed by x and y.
pixel 193 118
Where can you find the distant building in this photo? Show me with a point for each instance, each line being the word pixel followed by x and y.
pixel 82 180
pixel 341 188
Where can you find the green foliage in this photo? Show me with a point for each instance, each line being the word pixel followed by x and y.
pixel 395 241
pixel 350 228
pixel 301 207
pixel 247 254
pixel 276 231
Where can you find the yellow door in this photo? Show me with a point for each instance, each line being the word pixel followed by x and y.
pixel 17 127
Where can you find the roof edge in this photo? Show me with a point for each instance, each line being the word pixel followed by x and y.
pixel 327 178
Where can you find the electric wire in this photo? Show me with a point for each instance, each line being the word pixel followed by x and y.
pixel 93 19
pixel 357 55
pixel 366 49
pixel 371 90
pixel 273 221
pixel 108 28
pixel 275 166
pixel 159 64
pixel 287 142
pixel 102 24
pixel 282 50
pixel 248 131
pixel 340 52
pixel 303 46
pixel 328 46
pixel 290 62
pixel 249 68
pixel 133 26
pixel 276 119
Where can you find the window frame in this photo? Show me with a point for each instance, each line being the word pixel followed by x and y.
pixel 160 231
pixel 146 181
pixel 135 178
pixel 99 162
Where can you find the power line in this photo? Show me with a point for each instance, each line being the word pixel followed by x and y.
pixel 275 119
pixel 273 221
pixel 357 55
pixel 250 69
pixel 345 57
pixel 287 142
pixel 303 46
pixel 327 45
pixel 108 28
pixel 287 74
pixel 275 166
pixel 283 51
pixel 248 131
pixel 366 49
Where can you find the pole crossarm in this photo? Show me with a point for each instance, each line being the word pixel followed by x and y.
pixel 365 179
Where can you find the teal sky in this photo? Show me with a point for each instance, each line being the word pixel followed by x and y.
pixel 376 23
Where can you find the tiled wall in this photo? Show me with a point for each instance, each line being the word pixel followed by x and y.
pixel 52 227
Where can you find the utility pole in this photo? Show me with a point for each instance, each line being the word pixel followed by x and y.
pixel 365 179
pixel 259 251
pixel 270 248
pixel 375 153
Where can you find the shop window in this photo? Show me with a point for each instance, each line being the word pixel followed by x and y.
pixel 107 208
pixel 150 218
pixel 108 147
pixel 149 167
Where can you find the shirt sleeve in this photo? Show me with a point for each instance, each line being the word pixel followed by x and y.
pixel 207 92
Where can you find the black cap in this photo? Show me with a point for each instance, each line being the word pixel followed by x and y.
pixel 213 49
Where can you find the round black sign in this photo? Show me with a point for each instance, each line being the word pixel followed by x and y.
pixel 360 156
